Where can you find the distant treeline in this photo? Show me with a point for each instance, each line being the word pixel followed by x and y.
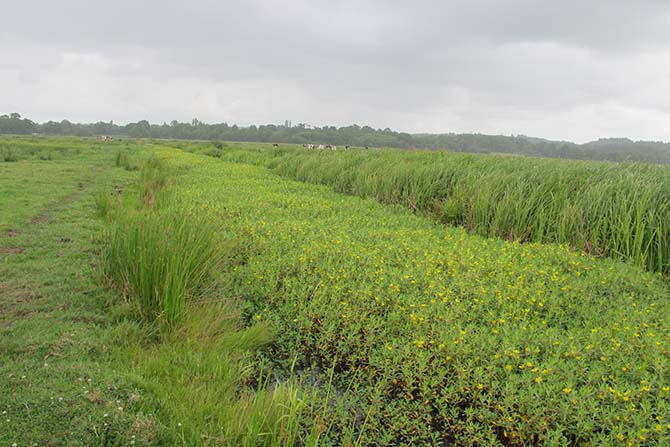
pixel 614 149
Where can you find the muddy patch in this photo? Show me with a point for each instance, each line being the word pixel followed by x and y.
pixel 40 219
pixel 11 250
pixel 12 233
pixel 12 301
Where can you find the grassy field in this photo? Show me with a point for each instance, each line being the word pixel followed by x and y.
pixel 59 386
pixel 605 209
pixel 231 306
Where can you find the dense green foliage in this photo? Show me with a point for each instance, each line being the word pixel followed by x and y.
pixel 329 319
pixel 613 149
pixel 79 367
pixel 161 260
pixel 605 209
pixel 443 336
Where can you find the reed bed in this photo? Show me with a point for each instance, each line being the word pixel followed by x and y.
pixel 605 209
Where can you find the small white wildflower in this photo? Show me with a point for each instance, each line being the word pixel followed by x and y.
pixel 105 415
pixel 60 399
pixel 120 408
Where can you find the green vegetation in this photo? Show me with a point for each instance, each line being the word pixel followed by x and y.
pixel 59 385
pixel 605 209
pixel 613 149
pixel 124 159
pixel 165 259
pixel 79 364
pixel 308 317
pixel 13 148
pixel 162 260
pixel 442 336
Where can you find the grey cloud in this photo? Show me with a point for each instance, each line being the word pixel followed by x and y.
pixel 571 69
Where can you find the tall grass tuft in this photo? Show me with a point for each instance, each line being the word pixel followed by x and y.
pixel 126 161
pixel 162 260
pixel 8 155
pixel 103 204
pixel 202 374
pixel 153 178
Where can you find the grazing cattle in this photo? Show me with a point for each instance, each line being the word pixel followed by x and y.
pixel 308 146
pixel 367 147
pixel 320 146
pixel 275 145
pixel 333 147
pixel 106 138
pixel 347 147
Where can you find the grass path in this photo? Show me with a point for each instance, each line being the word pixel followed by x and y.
pixel 57 383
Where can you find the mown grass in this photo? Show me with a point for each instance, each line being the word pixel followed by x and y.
pixel 605 209
pixel 443 337
pixel 59 385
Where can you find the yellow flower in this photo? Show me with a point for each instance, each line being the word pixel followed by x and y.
pixel 567 390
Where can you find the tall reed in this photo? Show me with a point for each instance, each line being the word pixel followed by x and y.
pixel 606 209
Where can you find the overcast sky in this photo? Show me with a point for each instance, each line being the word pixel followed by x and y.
pixel 572 69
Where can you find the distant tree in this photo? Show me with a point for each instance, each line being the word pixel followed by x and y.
pixel 615 149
